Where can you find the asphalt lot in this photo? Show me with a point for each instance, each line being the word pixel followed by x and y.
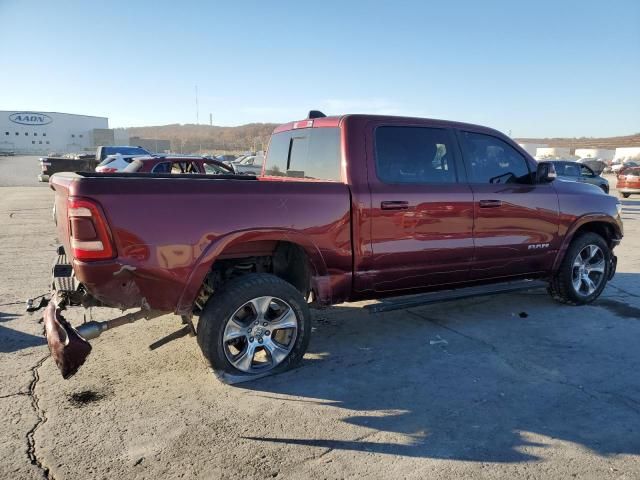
pixel 511 386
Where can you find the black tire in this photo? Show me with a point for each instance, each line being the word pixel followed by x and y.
pixel 225 304
pixel 625 195
pixel 561 286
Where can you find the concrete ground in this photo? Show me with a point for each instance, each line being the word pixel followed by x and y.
pixel 511 386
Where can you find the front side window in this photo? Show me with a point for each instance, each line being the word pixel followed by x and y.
pixel 414 155
pixel 494 161
pixel 312 153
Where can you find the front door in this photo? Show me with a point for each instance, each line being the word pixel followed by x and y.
pixel 516 219
pixel 421 213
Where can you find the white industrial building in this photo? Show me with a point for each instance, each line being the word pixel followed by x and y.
pixel 600 153
pixel 627 153
pixel 531 148
pixel 28 132
pixel 554 153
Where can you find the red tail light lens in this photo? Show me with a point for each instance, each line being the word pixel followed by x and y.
pixel 88 230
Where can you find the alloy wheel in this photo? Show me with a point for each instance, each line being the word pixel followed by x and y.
pixel 588 270
pixel 260 334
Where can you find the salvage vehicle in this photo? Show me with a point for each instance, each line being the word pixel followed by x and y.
pixel 179 164
pixel 577 172
pixel 83 162
pixel 629 182
pixel 251 164
pixel 350 208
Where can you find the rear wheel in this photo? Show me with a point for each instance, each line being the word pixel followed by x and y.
pixel 584 271
pixel 255 325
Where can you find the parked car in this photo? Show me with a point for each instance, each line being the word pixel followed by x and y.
pixel 251 164
pixel 115 163
pixel 178 165
pixel 629 182
pixel 84 162
pixel 617 167
pixel 227 158
pixel 577 172
pixel 594 164
pixel 351 208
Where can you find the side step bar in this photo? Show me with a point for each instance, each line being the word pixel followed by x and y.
pixel 397 303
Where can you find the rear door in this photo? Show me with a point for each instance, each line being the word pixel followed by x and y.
pixel 516 219
pixel 421 209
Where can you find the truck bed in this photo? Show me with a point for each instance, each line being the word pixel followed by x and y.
pixel 167 230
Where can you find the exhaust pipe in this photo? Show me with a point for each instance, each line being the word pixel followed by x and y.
pixel 69 346
pixel 94 329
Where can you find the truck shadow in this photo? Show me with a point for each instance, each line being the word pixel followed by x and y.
pixel 14 340
pixel 473 380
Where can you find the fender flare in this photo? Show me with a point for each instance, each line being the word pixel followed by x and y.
pixel 577 224
pixel 216 247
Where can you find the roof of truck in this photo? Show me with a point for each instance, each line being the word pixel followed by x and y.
pixel 336 121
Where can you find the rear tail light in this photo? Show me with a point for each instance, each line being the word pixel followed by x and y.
pixel 107 170
pixel 88 230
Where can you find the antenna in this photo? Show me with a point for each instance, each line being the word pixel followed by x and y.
pixel 197 108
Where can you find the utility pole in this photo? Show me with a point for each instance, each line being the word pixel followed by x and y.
pixel 210 120
pixel 197 108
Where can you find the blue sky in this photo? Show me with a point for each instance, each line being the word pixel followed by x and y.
pixel 537 68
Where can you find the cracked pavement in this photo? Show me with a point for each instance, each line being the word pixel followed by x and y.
pixel 553 394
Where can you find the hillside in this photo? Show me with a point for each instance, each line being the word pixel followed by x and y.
pixel 191 138
pixel 255 136
pixel 587 142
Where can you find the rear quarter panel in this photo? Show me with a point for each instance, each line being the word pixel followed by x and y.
pixel 168 232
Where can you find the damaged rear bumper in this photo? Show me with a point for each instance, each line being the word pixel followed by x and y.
pixel 69 345
pixel 68 348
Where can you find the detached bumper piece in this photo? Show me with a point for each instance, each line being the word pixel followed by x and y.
pixel 68 349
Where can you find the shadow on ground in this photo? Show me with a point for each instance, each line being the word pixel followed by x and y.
pixel 467 380
pixel 14 340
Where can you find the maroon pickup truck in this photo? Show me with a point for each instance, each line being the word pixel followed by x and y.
pixel 349 208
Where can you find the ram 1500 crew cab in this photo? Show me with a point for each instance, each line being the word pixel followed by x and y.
pixel 349 208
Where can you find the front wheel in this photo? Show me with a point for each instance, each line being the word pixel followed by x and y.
pixel 584 271
pixel 256 325
pixel 625 195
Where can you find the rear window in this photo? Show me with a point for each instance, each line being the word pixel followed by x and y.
pixel 305 153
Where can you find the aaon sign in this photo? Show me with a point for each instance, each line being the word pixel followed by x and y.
pixel 30 118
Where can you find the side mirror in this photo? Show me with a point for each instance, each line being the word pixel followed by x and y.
pixel 546 172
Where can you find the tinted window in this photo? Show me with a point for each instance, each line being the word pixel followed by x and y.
pixel 492 160
pixel 414 155
pixel 305 153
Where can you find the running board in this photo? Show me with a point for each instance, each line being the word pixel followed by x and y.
pixel 397 303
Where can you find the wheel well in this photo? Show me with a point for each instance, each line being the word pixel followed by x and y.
pixel 601 228
pixel 286 260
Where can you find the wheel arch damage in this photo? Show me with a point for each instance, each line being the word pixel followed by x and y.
pixel 295 258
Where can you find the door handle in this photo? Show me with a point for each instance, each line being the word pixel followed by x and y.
pixel 394 205
pixel 490 203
